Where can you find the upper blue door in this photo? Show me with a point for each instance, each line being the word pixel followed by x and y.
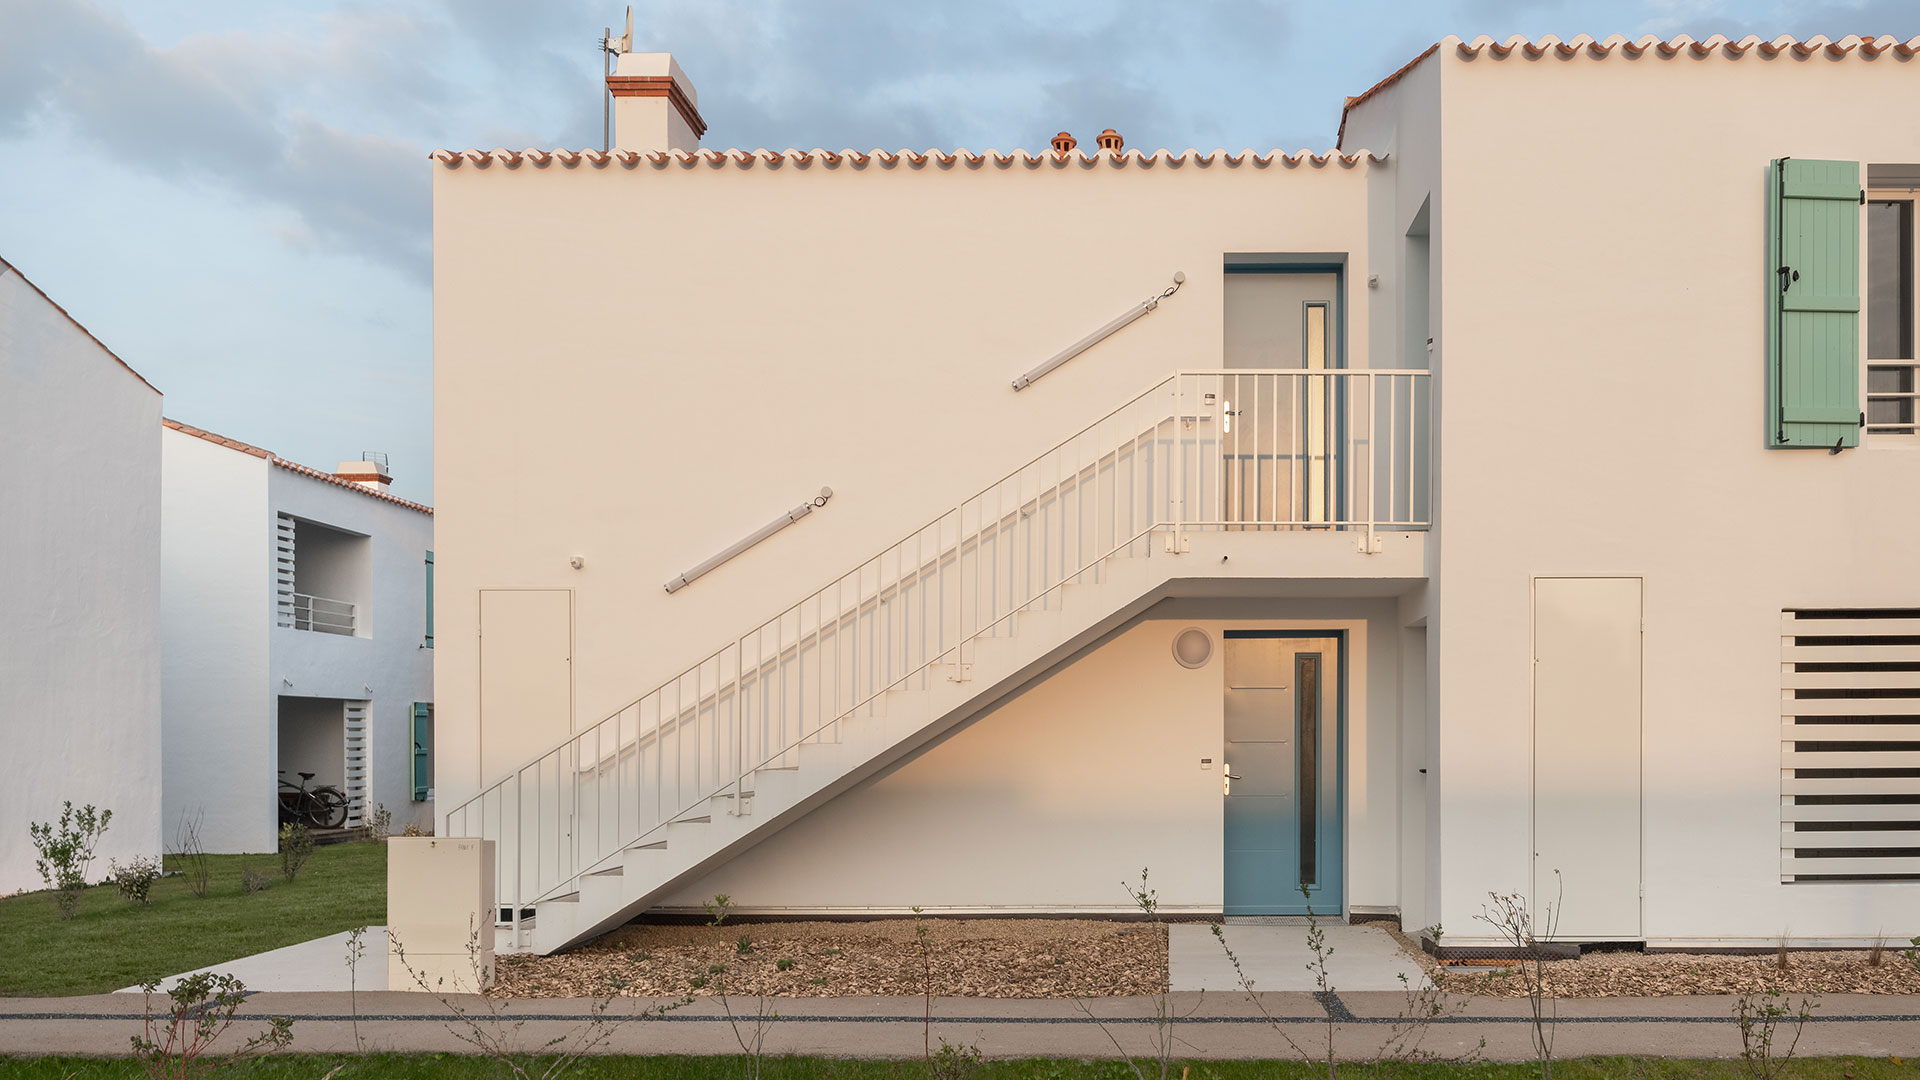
pixel 1282 783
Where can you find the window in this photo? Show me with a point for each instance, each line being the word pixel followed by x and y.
pixel 1891 302
pixel 429 599
pixel 1850 733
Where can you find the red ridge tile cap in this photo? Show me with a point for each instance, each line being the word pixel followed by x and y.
pixel 1668 48
pixel 218 440
pixel 907 160
pixel 1347 108
pixel 1633 49
pixel 291 466
pixel 8 268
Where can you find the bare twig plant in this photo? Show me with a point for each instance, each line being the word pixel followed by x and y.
pixel 178 1044
pixel 1322 981
pixel 356 949
pixel 1760 1016
pixel 190 855
pixel 1513 921
pixel 749 1029
pixel 490 1027
pixel 1165 1017
pixel 952 1061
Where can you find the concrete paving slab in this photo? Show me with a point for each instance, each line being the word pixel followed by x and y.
pixel 1218 1026
pixel 1274 955
pixel 317 965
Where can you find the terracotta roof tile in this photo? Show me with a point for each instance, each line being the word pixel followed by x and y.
pixel 904 159
pixel 291 466
pixel 1662 48
pixel 8 268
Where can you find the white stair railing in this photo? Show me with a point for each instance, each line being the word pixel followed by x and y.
pixel 1239 450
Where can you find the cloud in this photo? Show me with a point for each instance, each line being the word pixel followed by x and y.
pixel 225 111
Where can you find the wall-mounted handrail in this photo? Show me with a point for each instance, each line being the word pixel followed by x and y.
pixel 681 581
pixel 1102 334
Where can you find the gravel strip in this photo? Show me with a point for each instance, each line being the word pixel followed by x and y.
pixel 990 958
pixel 1632 974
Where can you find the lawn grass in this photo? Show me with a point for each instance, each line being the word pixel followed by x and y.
pixel 112 944
pixel 436 1066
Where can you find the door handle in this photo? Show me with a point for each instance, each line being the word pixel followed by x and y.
pixel 1232 776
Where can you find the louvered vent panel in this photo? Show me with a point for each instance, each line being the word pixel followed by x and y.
pixel 1850 745
pixel 283 573
pixel 356 785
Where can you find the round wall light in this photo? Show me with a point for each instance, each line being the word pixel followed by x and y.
pixel 1192 647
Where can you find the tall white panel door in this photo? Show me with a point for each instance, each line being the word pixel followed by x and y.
pixel 1586 756
pixel 526 676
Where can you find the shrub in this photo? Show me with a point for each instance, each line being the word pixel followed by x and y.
pixel 135 879
pixel 379 824
pixel 296 847
pixel 66 854
pixel 411 830
pixel 178 1044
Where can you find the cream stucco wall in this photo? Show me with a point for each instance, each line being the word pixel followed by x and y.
pixel 80 589
pixel 740 337
pixel 1603 414
pixel 1058 794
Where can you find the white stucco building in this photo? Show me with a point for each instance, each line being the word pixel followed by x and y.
pixel 296 609
pixel 1517 498
pixel 80 544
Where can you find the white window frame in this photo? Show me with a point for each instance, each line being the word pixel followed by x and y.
pixel 1891 435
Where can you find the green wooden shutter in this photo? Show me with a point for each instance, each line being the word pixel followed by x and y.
pixel 1813 329
pixel 429 599
pixel 422 750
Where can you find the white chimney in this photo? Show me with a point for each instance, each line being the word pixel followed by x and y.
pixel 654 105
pixel 372 475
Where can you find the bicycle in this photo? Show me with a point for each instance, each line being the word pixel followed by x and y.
pixel 324 807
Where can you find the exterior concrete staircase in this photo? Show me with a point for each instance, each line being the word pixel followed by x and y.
pixel 1158 494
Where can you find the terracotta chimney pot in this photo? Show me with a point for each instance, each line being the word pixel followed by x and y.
pixel 1064 143
pixel 1111 140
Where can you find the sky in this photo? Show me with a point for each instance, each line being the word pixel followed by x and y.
pixel 235 196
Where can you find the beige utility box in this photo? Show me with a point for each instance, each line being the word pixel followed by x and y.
pixel 440 913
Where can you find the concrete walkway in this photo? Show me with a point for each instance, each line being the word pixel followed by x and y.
pixel 317 965
pixel 1274 955
pixel 1217 1025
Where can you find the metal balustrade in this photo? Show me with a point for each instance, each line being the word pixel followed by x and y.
pixel 1284 450
pixel 300 611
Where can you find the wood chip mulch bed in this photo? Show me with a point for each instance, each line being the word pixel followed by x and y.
pixel 993 958
pixel 1633 974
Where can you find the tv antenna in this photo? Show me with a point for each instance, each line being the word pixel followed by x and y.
pixel 611 47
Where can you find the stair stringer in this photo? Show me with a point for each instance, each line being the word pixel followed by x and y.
pixel 870 745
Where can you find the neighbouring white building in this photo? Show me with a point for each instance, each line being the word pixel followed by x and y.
pixel 296 609
pixel 1520 497
pixel 80 588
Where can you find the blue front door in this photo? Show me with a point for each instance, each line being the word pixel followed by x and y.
pixel 1282 783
